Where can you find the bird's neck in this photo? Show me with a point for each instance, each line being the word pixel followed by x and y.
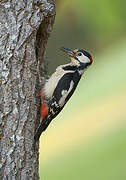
pixel 82 68
pixel 69 67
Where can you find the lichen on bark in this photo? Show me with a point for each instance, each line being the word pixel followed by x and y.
pixel 21 65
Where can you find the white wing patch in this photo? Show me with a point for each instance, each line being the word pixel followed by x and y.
pixel 65 94
pixel 51 84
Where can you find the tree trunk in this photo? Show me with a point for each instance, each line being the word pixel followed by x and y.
pixel 24 29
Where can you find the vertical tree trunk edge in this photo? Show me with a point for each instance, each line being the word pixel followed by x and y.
pixel 24 30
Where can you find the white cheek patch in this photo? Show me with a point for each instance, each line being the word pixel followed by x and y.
pixel 84 59
pixel 65 94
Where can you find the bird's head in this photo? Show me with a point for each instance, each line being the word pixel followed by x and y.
pixel 79 57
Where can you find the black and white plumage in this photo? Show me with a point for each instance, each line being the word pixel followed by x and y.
pixel 61 85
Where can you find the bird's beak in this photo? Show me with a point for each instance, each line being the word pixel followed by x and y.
pixel 68 51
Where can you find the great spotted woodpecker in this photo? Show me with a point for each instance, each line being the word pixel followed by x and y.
pixel 60 86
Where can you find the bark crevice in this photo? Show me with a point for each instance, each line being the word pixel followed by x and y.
pixel 21 71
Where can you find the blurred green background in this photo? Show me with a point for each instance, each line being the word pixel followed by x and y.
pixel 88 139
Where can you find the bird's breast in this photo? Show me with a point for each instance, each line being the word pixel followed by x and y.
pixel 51 84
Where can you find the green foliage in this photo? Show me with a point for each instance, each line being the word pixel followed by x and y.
pixel 102 17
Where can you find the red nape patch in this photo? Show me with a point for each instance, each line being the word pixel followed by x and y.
pixel 91 59
pixel 44 110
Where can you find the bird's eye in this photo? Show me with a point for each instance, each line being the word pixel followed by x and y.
pixel 79 54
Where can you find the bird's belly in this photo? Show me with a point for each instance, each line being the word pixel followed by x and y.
pixel 50 86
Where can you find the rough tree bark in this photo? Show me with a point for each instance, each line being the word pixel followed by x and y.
pixel 24 29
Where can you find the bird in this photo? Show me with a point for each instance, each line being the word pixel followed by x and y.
pixel 61 85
